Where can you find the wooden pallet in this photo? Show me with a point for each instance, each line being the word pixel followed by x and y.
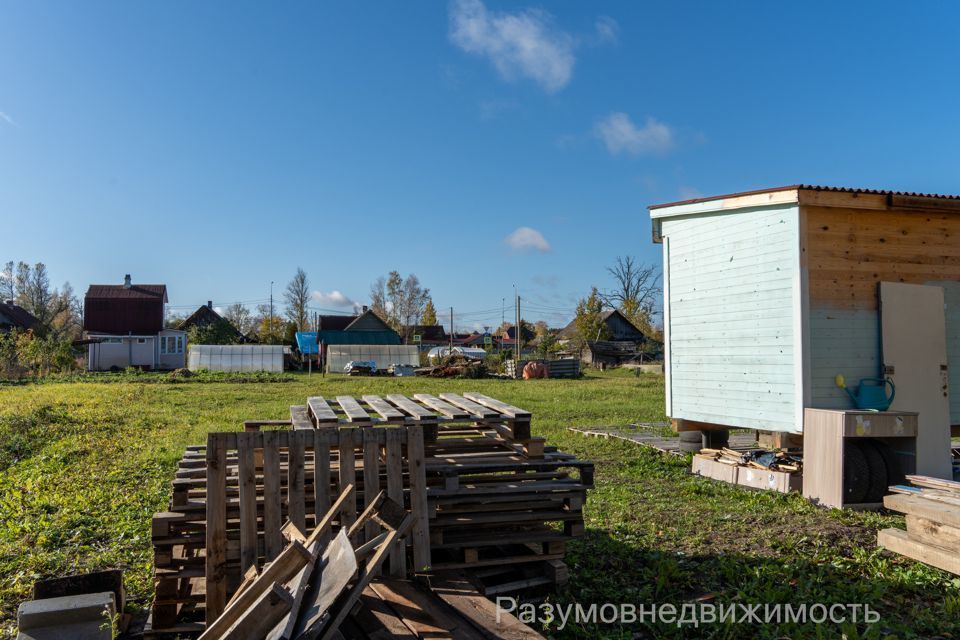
pixel 483 491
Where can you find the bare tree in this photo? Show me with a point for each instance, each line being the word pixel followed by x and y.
pixel 399 301
pixel 297 296
pixel 240 317
pixel 58 312
pixel 7 291
pixel 636 290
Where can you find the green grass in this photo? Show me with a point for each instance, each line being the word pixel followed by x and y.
pixel 85 462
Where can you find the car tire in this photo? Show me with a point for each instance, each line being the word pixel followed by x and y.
pixel 879 474
pixel 691 441
pixel 856 474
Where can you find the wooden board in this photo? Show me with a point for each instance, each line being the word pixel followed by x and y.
pixel 508 410
pixel 913 332
pixel 933 533
pixel 930 509
pixel 384 408
pixel 300 418
pixel 441 406
pixel 321 411
pixel 336 569
pixel 354 412
pixel 898 541
pixel 475 410
pixel 216 529
pixel 411 408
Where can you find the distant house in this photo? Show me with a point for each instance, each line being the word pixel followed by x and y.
pixel 13 316
pixel 625 343
pixel 123 324
pixel 364 329
pixel 432 335
pixel 206 316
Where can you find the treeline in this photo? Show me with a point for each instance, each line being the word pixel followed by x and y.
pixel 45 347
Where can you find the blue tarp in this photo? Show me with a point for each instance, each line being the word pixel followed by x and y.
pixel 307 341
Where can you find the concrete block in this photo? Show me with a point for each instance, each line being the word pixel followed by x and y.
pixel 82 617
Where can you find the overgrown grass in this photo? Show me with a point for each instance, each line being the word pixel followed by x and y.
pixel 83 466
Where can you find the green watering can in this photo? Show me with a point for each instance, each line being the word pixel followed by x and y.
pixel 871 393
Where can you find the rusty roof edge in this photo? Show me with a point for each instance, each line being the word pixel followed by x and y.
pixel 808 187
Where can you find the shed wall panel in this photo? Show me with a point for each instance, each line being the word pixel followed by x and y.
pixel 849 252
pixel 732 310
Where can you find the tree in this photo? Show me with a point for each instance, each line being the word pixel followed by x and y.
pixel 269 329
pixel 58 312
pixel 297 295
pixel 240 317
pixel 7 291
pixel 219 332
pixel 589 319
pixel 429 317
pixel 636 291
pixel 399 301
pixel 541 328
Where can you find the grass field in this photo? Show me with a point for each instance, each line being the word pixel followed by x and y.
pixel 84 464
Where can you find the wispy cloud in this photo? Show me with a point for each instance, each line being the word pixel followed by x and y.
pixel 689 193
pixel 8 120
pixel 607 30
pixel 619 133
pixel 527 239
pixel 522 44
pixel 334 299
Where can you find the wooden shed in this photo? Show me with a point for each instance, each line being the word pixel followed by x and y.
pixel 769 294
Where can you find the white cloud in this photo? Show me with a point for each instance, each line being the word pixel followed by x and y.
pixel 689 193
pixel 334 299
pixel 522 44
pixel 8 120
pixel 527 239
pixel 607 29
pixel 619 133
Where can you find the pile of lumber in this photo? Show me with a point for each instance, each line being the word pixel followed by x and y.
pixel 932 508
pixel 486 497
pixel 779 460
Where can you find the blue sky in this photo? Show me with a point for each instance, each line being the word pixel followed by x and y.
pixel 217 146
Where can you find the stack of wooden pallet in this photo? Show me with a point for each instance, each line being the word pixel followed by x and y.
pixel 932 508
pixel 755 459
pixel 485 495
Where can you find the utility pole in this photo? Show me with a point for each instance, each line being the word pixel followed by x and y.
pixel 451 331
pixel 270 325
pixel 516 333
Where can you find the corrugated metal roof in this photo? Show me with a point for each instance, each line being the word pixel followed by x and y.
pixel 810 187
pixel 118 291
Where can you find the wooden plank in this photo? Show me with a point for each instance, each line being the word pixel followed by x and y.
pixel 321 412
pixel 394 463
pixel 930 509
pixel 420 536
pixel 247 473
pixel 285 567
pixel 384 623
pixel 476 411
pixel 935 483
pixel 504 408
pixel 321 480
pixel 355 413
pixel 441 406
pixel 337 568
pixel 299 418
pixel 458 593
pixel 898 541
pixel 384 408
pixel 273 541
pixel 216 534
pixel 296 507
pixel 260 618
pixel 348 474
pixel 371 475
pixel 423 612
pixel 933 533
pixel 366 575
pixel 411 408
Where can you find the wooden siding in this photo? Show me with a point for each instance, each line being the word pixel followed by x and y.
pixel 732 330
pixel 849 251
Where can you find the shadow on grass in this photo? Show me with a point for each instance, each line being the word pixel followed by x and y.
pixel 606 570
